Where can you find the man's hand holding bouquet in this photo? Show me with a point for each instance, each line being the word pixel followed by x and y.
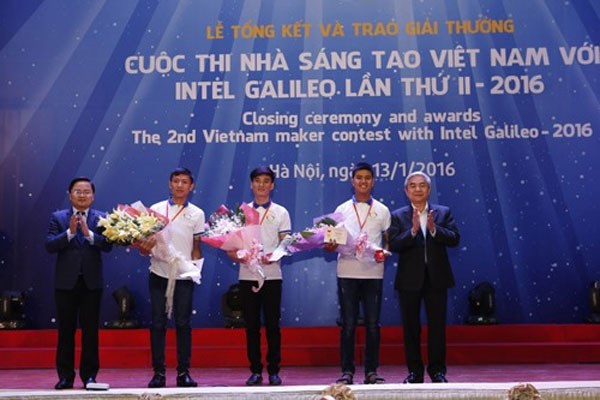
pixel 363 249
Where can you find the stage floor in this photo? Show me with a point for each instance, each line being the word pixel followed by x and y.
pixel 466 382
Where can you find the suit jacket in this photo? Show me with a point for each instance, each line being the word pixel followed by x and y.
pixel 75 257
pixel 411 261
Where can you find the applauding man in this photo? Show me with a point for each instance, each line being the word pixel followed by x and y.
pixel 74 236
pixel 420 233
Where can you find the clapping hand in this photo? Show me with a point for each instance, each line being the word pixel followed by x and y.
pixel 431 221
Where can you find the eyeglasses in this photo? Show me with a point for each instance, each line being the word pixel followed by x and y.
pixel 82 192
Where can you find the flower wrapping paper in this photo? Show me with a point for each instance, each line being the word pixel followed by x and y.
pixel 239 231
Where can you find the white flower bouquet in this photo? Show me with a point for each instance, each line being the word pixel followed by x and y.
pixel 127 224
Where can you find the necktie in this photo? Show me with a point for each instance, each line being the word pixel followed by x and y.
pixel 80 237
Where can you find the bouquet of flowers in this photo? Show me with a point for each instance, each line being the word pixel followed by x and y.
pixel 330 228
pixel 127 224
pixel 310 238
pixel 240 231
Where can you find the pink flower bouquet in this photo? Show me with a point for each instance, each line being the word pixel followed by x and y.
pixel 239 231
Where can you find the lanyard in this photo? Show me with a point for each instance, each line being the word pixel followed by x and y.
pixel 362 224
pixel 264 215
pixel 176 215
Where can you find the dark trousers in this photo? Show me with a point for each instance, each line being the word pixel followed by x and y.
pixel 83 305
pixel 352 293
pixel 182 312
pixel 266 302
pixel 435 301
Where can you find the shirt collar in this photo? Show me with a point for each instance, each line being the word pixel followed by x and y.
pixel 264 205
pixel 369 202
pixel 425 210
pixel 85 212
pixel 172 203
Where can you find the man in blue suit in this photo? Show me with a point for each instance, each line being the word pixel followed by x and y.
pixel 420 233
pixel 73 234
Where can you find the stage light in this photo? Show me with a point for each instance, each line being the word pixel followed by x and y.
pixel 594 317
pixel 125 302
pixel 11 310
pixel 482 305
pixel 231 307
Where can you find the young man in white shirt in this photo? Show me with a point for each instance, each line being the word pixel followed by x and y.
pixel 275 224
pixel 186 223
pixel 361 280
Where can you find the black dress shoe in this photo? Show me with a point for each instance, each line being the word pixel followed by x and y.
pixel 255 379
pixel 63 383
pixel 439 377
pixel 413 378
pixel 372 379
pixel 274 380
pixel 157 381
pixel 185 380
pixel 347 378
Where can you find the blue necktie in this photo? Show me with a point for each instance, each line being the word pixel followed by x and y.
pixel 80 237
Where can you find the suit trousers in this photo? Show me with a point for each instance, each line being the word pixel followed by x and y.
pixel 435 300
pixel 83 305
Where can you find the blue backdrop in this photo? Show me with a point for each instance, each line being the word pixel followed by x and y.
pixel 497 101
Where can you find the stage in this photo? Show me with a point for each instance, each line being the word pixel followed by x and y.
pixel 562 361
pixel 554 381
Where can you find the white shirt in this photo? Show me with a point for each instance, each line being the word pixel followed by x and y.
pixel 376 219
pixel 188 223
pixel 274 220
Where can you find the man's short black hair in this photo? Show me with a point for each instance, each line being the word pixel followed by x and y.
pixel 182 171
pixel 82 179
pixel 362 165
pixel 262 170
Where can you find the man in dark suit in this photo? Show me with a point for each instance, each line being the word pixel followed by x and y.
pixel 420 233
pixel 73 234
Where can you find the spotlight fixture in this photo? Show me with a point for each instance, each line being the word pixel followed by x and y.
pixel 125 302
pixel 231 307
pixel 594 317
pixel 482 305
pixel 11 310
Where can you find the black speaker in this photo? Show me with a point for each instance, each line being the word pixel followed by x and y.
pixel 124 300
pixel 594 317
pixel 11 310
pixel 482 305
pixel 231 308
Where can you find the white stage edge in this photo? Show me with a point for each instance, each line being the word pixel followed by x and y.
pixel 570 390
